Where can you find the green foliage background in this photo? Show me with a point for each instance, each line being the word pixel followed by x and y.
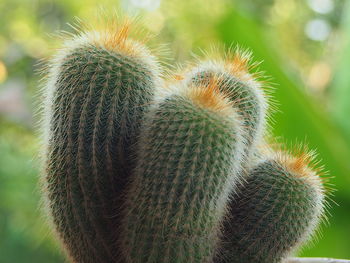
pixel 311 80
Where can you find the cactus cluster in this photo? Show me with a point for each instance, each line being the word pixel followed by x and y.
pixel 139 170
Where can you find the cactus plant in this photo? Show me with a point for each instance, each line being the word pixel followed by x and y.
pixel 138 173
pixel 99 89
pixel 188 159
pixel 275 211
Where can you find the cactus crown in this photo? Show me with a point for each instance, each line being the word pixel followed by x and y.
pixel 208 95
pixel 134 173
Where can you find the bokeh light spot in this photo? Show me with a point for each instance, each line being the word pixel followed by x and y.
pixel 318 29
pixel 321 6
pixel 320 76
pixel 3 72
pixel 149 5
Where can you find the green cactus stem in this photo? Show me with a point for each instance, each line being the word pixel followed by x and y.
pixel 275 211
pixel 188 156
pixel 243 88
pixel 99 89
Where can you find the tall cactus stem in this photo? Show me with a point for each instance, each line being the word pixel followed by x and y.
pixel 99 87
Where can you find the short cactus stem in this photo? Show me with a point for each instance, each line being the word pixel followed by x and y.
pixel 275 211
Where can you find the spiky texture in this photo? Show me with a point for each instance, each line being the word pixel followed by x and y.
pixel 188 157
pixel 99 88
pixel 276 210
pixel 243 88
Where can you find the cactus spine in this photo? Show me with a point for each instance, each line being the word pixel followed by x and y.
pixel 276 210
pixel 98 91
pixel 188 158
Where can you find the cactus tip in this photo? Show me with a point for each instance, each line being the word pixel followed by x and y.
pixel 208 95
pixel 303 162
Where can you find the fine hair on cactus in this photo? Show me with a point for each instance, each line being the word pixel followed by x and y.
pixel 189 156
pixel 276 210
pixel 99 87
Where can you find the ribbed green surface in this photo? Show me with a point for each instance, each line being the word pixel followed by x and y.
pixel 98 103
pixel 274 212
pixel 184 173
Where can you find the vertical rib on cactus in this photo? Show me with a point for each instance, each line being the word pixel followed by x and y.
pixel 242 87
pixel 188 156
pixel 98 90
pixel 276 210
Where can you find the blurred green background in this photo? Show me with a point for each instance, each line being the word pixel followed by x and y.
pixel 305 49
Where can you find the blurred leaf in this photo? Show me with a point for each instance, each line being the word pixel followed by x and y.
pixel 24 237
pixel 341 86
